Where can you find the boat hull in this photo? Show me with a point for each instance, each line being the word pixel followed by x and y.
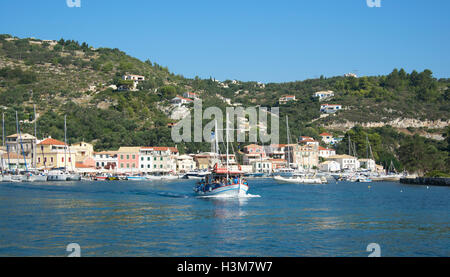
pixel 236 190
pixel 299 180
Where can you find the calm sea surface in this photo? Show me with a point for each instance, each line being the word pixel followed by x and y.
pixel 165 219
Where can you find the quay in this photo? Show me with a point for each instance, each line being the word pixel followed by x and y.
pixel 426 181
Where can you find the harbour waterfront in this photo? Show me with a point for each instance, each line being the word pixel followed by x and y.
pixel 154 218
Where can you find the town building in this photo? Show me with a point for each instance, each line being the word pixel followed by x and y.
pixel 308 141
pixel 185 163
pixel 83 151
pixel 330 166
pixel 304 156
pixel 131 77
pixel 326 152
pixel 328 138
pixel 23 145
pixel 346 161
pixel 106 161
pixel 13 162
pixel 128 159
pixel 159 159
pixel 52 153
pixel 368 164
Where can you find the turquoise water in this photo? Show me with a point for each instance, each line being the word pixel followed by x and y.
pixel 155 219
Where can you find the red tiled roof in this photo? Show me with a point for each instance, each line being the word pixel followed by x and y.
pixel 51 141
pixel 172 149
pixel 325 135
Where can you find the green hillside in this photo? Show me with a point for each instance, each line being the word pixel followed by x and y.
pixel 73 79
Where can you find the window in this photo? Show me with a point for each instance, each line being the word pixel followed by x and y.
pixel 121 165
pixel 70 159
pixel 103 164
pixel 148 166
pixel 142 158
pixel 148 159
pixel 154 166
pixel 121 157
pixel 142 166
pixel 128 157
pixel 133 157
pixel 62 159
pixel 98 164
pixel 39 160
pixel 128 165
pixel 133 165
pixel 154 158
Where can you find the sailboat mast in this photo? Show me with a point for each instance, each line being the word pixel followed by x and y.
pixel 65 142
pixel 17 142
pixel 3 129
pixel 289 142
pixel 226 131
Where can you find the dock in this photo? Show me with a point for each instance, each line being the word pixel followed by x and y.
pixel 426 181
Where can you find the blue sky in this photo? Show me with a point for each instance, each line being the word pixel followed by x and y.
pixel 250 40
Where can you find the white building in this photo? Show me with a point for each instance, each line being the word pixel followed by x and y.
pixel 328 138
pixel 346 161
pixel 106 161
pixel 330 166
pixel 330 108
pixel 190 95
pixel 368 164
pixel 326 152
pixel 164 159
pixel 324 94
pixel 179 100
pixel 185 163
pixel 308 141
pixel 146 159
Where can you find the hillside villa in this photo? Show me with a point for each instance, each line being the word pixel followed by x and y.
pixel 324 94
pixel 330 108
pixel 286 98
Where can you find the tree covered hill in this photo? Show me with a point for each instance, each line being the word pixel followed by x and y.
pixel 66 77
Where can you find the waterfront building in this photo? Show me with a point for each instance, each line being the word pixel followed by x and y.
pixel 326 152
pixel 346 161
pixel 304 156
pixel 264 166
pixel 205 160
pixel 13 162
pixel 329 166
pixel 106 161
pixel 52 153
pixel 24 145
pixel 162 159
pixel 128 159
pixel 277 163
pixel 276 151
pixel 368 164
pixel 185 163
pixel 83 151
pixel 324 94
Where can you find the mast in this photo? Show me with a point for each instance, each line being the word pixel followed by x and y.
pixel 65 142
pixel 289 142
pixel 349 145
pixel 3 130
pixel 17 143
pixel 226 131
pixel 35 135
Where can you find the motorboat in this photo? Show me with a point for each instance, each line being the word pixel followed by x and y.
pixel 222 182
pixel 301 178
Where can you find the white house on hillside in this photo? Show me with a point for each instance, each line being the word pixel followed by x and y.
pixel 324 94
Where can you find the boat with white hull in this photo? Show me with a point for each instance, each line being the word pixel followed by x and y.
pixel 223 183
pixel 301 179
pixel 57 176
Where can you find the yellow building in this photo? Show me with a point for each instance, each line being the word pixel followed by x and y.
pixel 83 151
pixel 52 153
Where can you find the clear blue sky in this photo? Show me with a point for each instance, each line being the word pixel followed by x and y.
pixel 258 40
